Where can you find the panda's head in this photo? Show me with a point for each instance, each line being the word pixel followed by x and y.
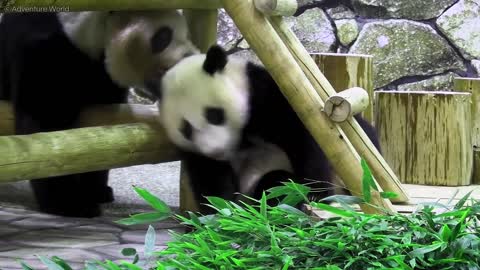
pixel 138 46
pixel 204 103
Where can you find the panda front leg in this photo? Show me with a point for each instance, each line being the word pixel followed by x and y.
pixel 47 96
pixel 209 177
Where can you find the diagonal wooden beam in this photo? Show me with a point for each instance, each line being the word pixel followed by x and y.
pixel 303 97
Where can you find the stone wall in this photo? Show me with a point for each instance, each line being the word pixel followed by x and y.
pixel 415 44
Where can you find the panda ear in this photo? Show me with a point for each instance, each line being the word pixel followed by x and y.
pixel 216 60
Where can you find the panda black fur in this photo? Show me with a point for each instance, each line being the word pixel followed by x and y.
pixel 53 65
pixel 235 129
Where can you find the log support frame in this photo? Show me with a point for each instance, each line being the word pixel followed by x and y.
pixel 300 80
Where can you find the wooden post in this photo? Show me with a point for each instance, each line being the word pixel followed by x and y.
pixel 300 93
pixel 203 27
pixel 40 155
pixel 6 118
pixel 471 85
pixel 345 71
pixel 426 136
pixel 354 133
pixel 104 5
pixel 476 166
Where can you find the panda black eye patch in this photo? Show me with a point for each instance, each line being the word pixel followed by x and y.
pixel 161 39
pixel 187 130
pixel 215 116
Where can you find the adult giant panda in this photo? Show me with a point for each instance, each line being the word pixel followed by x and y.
pixel 235 129
pixel 53 65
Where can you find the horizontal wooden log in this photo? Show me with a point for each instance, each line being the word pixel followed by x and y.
pixel 426 136
pixel 104 5
pixel 80 150
pixel 98 115
pixel 345 104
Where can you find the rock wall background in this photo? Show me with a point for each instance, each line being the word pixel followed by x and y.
pixel 415 44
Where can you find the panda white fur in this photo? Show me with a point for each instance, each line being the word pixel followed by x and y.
pixel 236 130
pixel 53 65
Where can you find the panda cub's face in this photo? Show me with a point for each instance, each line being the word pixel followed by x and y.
pixel 204 103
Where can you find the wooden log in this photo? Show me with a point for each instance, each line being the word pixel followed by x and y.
pixel 80 150
pixel 355 134
pixel 98 115
pixel 104 5
pixel 426 136
pixel 471 85
pixel 277 7
pixel 343 105
pixel 300 93
pixel 476 166
pixel 203 27
pixel 345 71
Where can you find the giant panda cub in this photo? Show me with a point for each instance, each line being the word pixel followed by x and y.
pixel 53 65
pixel 235 129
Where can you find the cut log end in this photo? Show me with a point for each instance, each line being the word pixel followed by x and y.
pixel 345 104
pixel 277 7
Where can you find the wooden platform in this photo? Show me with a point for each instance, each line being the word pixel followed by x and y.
pixel 424 194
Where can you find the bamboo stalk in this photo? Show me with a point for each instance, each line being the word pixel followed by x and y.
pixel 379 167
pixel 345 71
pixel 339 107
pixel 427 135
pixel 81 150
pixel 300 93
pixel 203 27
pixel 103 5
pixel 277 7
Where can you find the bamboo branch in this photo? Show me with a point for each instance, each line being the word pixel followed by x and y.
pixel 379 167
pixel 300 93
pixel 104 5
pixel 343 105
pixel 277 7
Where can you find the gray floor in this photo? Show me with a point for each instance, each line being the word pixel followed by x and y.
pixel 25 233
